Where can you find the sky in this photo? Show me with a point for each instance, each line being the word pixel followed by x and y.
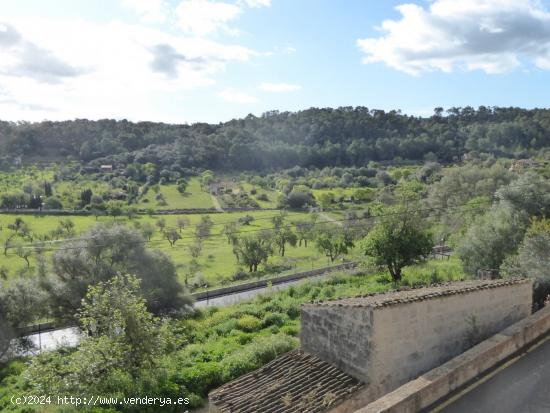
pixel 186 61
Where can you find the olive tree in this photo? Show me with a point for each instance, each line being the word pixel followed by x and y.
pixel 533 259
pixel 252 250
pixel 397 241
pixel 104 251
pixel 333 242
pixel 123 342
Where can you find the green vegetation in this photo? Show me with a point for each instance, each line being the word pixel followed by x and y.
pixel 398 241
pixel 217 262
pixel 193 197
pixel 312 138
pixel 100 224
pixel 199 352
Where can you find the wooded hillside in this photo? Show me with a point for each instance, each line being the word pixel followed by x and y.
pixel 311 138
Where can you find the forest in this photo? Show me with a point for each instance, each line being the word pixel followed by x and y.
pixel 313 138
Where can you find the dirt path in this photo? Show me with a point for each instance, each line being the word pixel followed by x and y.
pixel 330 219
pixel 216 203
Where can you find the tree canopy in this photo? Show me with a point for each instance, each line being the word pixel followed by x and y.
pixel 108 249
pixel 315 137
pixel 397 241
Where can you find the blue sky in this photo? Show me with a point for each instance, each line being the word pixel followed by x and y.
pixel 205 60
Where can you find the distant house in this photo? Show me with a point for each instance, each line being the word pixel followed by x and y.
pixel 106 168
pixel 522 164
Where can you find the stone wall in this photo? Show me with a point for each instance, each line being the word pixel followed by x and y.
pixel 388 340
pixel 339 335
pixel 410 339
pixel 434 385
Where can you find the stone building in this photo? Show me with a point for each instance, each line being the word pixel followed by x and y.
pixel 354 350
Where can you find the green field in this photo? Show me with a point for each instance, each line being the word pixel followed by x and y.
pixel 217 262
pixel 271 195
pixel 16 181
pixel 194 197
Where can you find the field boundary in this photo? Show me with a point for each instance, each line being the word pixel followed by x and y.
pixel 79 212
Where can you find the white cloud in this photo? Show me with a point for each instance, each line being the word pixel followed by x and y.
pixel 202 17
pixel 279 87
pixel 21 57
pixel 490 35
pixel 130 71
pixel 149 10
pixel 256 3
pixel 235 96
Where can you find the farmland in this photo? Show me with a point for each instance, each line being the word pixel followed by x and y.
pixel 216 265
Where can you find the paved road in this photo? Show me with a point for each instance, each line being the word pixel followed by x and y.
pixel 245 295
pixel 71 336
pixel 521 387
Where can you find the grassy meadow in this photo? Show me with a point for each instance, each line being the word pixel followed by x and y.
pixel 217 262
pixel 194 197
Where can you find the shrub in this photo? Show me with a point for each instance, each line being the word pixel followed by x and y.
pixel 53 203
pixel 246 220
pixel 248 323
pixel 226 327
pixel 290 330
pixel 274 319
pixel 240 275
pixel 258 352
pixel 201 377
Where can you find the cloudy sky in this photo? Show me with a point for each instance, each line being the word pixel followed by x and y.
pixel 207 60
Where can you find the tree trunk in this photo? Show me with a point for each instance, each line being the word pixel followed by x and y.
pixel 395 273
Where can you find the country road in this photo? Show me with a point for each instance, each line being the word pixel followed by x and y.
pixel 216 203
pixel 329 219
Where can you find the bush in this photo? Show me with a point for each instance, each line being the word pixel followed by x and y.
pixel 53 203
pixel 249 323
pixel 258 352
pixel 246 220
pixel 290 330
pixel 240 275
pixel 274 319
pixel 226 327
pixel 201 377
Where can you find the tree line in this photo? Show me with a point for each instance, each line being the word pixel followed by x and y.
pixel 314 138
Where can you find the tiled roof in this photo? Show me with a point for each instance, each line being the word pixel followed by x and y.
pixel 389 298
pixel 294 382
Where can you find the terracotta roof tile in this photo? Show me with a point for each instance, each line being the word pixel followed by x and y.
pixel 294 382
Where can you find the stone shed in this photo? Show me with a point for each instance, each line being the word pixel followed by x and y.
pixel 354 350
